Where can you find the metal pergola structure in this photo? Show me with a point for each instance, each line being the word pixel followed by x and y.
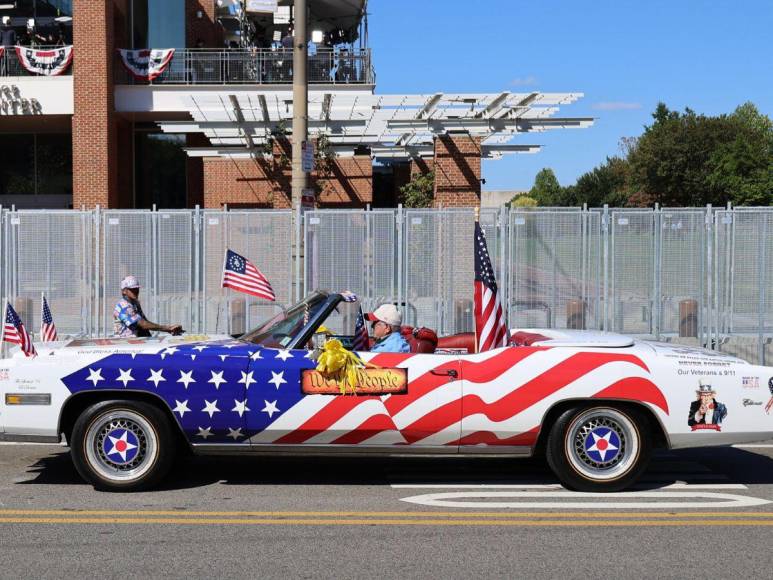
pixel 391 127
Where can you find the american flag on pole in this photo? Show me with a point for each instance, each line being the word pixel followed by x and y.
pixel 241 275
pixel 47 326
pixel 361 342
pixel 15 333
pixel 490 329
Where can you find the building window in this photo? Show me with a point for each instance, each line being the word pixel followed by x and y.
pixel 36 165
pixel 38 22
pixel 160 170
pixel 158 23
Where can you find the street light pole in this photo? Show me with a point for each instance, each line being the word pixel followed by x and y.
pixel 300 179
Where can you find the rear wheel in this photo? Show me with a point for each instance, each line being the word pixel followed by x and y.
pixel 599 449
pixel 122 445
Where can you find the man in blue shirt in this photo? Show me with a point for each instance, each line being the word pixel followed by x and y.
pixel 385 323
pixel 128 318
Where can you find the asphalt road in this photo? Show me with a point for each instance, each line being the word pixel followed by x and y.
pixel 697 512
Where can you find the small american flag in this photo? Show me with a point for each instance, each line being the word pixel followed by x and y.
pixel 490 329
pixel 15 333
pixel 241 275
pixel 47 326
pixel 361 342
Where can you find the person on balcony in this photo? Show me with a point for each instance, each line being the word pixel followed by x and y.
pixel 8 41
pixel 128 318
pixel 385 324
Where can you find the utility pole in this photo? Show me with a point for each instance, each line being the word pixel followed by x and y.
pixel 300 179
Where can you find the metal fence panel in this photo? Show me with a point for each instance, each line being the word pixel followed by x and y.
pixel 263 237
pixel 681 268
pixel 50 252
pixel 555 269
pixel 632 272
pixel 744 255
pixel 352 250
pixel 126 248
pixel 173 267
pixel 439 266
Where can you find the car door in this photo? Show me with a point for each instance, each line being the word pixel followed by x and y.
pixel 498 386
pixel 425 412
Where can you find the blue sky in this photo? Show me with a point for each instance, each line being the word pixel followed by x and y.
pixel 624 55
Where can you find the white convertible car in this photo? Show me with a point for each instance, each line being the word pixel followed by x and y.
pixel 596 404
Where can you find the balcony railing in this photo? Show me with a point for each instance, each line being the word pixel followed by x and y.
pixel 10 66
pixel 258 67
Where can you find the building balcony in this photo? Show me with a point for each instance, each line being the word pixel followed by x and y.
pixel 11 66
pixel 258 67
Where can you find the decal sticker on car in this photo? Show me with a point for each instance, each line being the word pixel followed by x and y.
pixel 706 413
pixel 369 382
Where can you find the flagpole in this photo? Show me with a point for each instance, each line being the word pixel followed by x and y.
pixel 222 277
pixel 475 318
pixel 42 298
pixel 2 332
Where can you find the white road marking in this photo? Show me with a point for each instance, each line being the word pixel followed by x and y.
pixel 62 444
pixel 758 446
pixel 535 499
pixel 666 485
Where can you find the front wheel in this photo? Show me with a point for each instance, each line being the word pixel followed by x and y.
pixel 122 445
pixel 599 449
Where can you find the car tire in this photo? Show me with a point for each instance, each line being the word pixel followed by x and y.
pixel 122 445
pixel 599 448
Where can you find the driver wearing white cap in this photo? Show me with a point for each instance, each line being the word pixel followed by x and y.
pixel 128 317
pixel 385 323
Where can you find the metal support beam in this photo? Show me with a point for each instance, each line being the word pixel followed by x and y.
pixel 240 121
pixel 300 179
pixel 495 106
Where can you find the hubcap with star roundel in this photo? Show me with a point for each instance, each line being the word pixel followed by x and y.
pixel 602 445
pixel 121 446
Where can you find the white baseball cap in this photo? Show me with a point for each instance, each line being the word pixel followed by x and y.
pixel 386 313
pixel 130 282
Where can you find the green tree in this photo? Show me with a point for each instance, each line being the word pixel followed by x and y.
pixel 523 201
pixel 419 191
pixel 546 189
pixel 687 159
pixel 606 184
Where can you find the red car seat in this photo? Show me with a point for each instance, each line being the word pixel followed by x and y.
pixel 421 340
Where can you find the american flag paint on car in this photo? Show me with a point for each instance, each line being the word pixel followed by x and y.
pixel 595 402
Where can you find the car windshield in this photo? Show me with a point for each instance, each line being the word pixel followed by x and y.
pixel 281 330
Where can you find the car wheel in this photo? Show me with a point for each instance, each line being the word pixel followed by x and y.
pixel 599 449
pixel 122 445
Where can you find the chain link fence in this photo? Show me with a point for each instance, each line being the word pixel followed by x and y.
pixel 693 276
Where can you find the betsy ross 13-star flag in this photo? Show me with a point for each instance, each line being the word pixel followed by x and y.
pixel 15 333
pixel 490 328
pixel 241 275
pixel 47 326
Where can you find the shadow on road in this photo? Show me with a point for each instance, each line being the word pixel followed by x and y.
pixel 717 465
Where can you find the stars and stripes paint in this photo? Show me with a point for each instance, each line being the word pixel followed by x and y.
pixel 490 328
pixel 233 392
pixel 241 275
pixel 47 327
pixel 15 333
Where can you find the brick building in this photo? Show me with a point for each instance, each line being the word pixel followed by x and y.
pixel 213 127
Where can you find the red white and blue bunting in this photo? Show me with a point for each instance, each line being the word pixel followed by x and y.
pixel 146 64
pixel 48 62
